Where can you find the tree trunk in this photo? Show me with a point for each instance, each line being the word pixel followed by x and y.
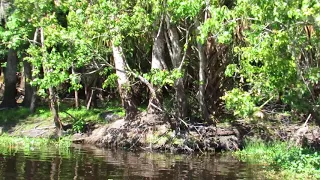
pixel 30 95
pixel 76 93
pixel 54 108
pixel 10 80
pixel 202 78
pixel 87 93
pixel 175 51
pixel 158 62
pixel 127 99
pixel 158 56
pixel 31 98
pixel 52 94
pixel 92 95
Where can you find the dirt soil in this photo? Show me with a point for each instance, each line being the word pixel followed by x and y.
pixel 149 132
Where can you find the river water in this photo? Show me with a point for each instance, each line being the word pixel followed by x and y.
pixel 85 162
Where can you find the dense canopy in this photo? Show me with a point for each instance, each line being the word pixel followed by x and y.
pixel 194 60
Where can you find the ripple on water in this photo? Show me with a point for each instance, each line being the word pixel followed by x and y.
pixel 85 162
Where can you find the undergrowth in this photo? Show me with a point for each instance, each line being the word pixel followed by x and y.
pixel 10 144
pixel 284 160
pixel 22 119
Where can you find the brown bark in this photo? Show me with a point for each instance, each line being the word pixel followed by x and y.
pixel 10 80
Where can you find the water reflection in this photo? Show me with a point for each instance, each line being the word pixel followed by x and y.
pixel 85 162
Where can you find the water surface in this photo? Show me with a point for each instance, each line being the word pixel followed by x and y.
pixel 85 162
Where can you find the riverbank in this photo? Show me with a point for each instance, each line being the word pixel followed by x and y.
pixel 150 133
pixel 107 128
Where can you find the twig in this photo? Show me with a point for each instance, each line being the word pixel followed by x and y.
pixel 198 132
pixel 200 149
pixel 138 138
pixel 266 102
pixel 161 24
pixel 171 115
pixel 187 46
pixel 94 71
pixel 70 115
pixel 35 127
pixel 305 123
pixel 44 128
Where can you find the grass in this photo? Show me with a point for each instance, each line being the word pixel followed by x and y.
pixel 284 161
pixel 10 144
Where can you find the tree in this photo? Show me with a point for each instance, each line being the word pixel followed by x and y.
pixel 175 49
pixel 157 64
pixel 123 83
pixel 273 51
pixel 202 77
pixel 30 96
pixel 10 81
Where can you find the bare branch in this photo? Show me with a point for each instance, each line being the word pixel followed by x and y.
pixel 187 46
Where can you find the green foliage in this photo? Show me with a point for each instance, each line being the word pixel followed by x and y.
pixel 163 77
pixel 9 143
pixel 81 113
pixel 22 119
pixel 182 9
pixel 273 47
pixel 282 157
pixel 115 106
pixel 13 115
pixel 111 81
pixel 272 50
pixel 75 81
pixel 78 125
pixel 241 102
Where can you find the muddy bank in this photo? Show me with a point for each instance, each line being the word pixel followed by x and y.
pixel 148 133
pixel 139 135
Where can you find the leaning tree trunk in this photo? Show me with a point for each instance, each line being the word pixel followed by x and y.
pixel 157 63
pixel 202 79
pixel 92 94
pixel 52 93
pixel 127 99
pixel 10 80
pixel 89 85
pixel 175 50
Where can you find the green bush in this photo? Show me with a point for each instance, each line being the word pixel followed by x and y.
pixel 241 102
pixel 290 161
